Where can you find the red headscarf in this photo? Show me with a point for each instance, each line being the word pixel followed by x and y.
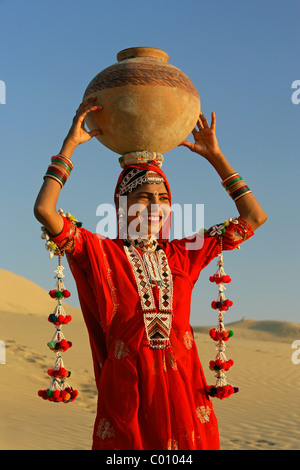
pixel 146 167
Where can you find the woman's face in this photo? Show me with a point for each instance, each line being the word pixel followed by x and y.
pixel 148 207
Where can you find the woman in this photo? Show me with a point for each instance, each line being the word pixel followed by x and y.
pixel 135 296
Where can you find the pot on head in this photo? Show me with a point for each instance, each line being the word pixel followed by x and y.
pixel 148 104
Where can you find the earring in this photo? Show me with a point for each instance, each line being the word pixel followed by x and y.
pixel 121 213
pixel 122 223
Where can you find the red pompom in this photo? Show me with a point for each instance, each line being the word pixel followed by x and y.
pixel 56 394
pixel 42 394
pixel 220 279
pixel 219 335
pixel 74 395
pixel 67 319
pixel 66 293
pixel 221 392
pixel 212 333
pixel 63 372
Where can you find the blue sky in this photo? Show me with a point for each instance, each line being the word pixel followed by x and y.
pixel 242 56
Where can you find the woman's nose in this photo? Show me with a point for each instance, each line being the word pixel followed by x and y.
pixel 155 204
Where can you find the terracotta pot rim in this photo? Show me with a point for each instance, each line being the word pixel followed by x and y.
pixel 150 52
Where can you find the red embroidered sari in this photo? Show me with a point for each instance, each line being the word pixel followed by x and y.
pixel 148 399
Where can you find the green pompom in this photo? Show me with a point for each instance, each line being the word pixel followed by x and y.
pixel 59 294
pixel 79 224
pixel 230 333
pixel 49 393
pixel 51 344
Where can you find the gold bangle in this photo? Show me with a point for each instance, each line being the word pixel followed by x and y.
pixel 229 177
pixel 241 195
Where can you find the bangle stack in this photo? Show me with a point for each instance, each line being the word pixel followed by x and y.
pixel 235 186
pixel 59 169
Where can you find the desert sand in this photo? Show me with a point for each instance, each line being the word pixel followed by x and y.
pixel 264 415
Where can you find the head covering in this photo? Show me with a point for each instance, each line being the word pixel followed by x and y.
pixel 139 168
pixel 132 177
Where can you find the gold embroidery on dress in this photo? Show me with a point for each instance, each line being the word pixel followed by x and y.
pixel 190 435
pixel 121 350
pixel 164 363
pixel 172 444
pixel 171 360
pixel 155 367
pixel 105 430
pixel 203 413
pixel 188 339
pixel 110 282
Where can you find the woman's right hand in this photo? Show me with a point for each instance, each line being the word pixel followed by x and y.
pixel 78 134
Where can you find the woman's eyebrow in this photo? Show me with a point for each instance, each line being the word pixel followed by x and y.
pixel 147 192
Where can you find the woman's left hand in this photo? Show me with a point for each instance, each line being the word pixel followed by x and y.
pixel 206 143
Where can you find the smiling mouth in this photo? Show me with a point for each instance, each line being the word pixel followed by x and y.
pixel 154 218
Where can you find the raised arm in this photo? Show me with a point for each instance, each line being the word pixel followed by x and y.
pixel 45 205
pixel 207 146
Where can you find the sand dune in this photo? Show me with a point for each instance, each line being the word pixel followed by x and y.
pixel 265 414
pixel 262 330
pixel 20 295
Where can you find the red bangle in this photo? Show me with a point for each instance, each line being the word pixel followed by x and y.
pixel 59 169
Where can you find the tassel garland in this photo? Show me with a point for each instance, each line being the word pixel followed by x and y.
pixel 59 390
pixel 222 389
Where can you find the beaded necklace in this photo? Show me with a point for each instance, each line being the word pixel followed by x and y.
pixel 151 270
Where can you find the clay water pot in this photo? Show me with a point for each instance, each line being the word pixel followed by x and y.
pixel 148 104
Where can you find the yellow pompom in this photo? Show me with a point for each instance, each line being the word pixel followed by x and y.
pixel 72 218
pixel 52 246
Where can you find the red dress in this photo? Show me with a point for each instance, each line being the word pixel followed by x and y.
pixel 148 398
